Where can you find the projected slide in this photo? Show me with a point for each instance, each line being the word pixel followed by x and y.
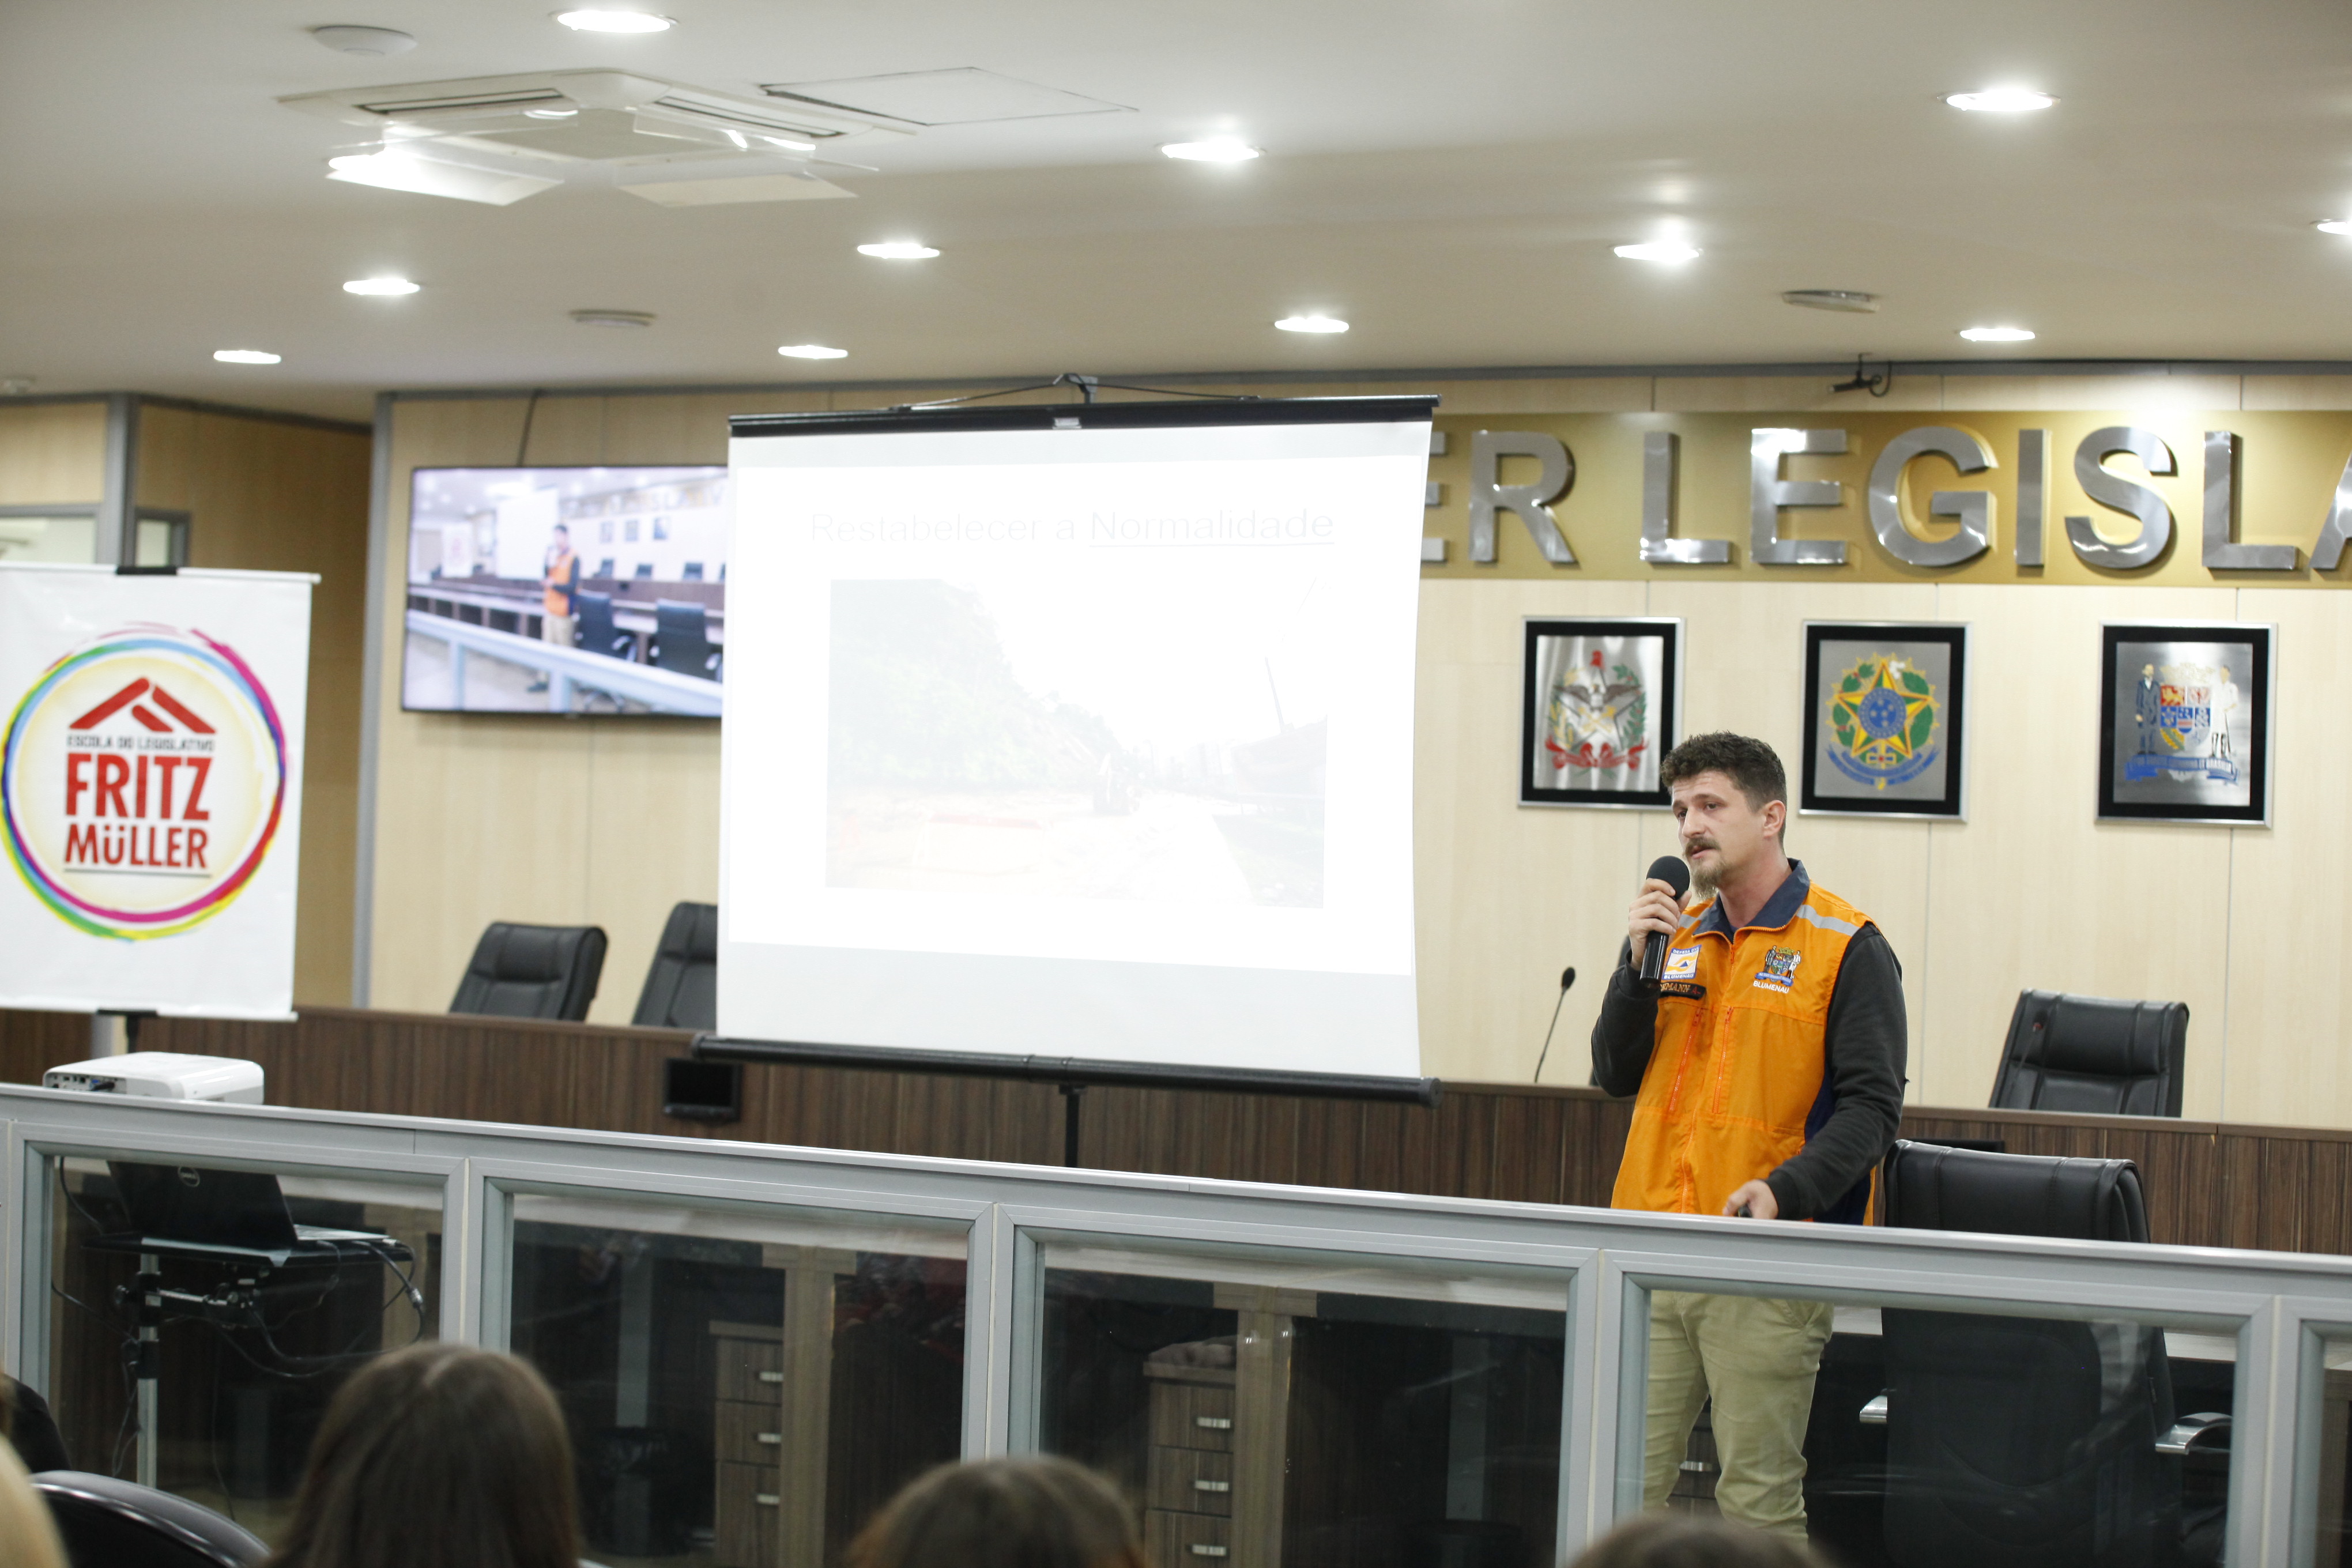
pixel 1093 742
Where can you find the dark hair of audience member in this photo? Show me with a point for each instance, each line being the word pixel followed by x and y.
pixel 1034 1512
pixel 441 1454
pixel 1684 1540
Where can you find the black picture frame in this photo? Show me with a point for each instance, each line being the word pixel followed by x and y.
pixel 2162 757
pixel 1643 724
pixel 1912 759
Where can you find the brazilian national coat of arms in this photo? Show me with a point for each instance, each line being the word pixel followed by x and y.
pixel 1598 717
pixel 1883 719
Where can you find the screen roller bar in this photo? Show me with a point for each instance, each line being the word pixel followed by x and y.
pixel 1421 1091
pixel 1088 416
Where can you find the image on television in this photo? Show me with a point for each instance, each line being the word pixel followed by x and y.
pixel 566 591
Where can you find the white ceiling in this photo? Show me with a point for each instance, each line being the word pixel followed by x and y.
pixel 1447 174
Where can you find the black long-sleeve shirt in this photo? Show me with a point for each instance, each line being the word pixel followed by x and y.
pixel 1865 1044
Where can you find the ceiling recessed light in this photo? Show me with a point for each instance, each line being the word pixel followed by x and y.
pixel 812 350
pixel 2001 101
pixel 1660 251
pixel 245 356
pixel 614 22
pixel 2334 226
pixel 380 286
pixel 1317 324
pixel 1997 334
pixel 1215 150
pixel 900 250
pixel 613 318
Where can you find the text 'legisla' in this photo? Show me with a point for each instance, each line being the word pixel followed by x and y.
pixel 1771 493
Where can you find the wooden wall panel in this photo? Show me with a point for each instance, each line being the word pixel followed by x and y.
pixel 52 452
pixel 270 495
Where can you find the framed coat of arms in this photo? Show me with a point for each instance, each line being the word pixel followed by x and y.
pixel 2185 723
pixel 1600 706
pixel 1885 719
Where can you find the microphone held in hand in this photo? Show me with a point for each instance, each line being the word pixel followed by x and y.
pixel 1674 874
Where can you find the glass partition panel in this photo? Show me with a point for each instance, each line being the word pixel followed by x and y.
pixel 260 1293
pixel 2326 1467
pixel 1309 1410
pixel 1900 1435
pixel 743 1385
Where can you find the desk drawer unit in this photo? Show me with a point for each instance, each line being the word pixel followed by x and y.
pixel 1193 1415
pixel 752 1370
pixel 1173 1540
pixel 749 1515
pixel 1191 1481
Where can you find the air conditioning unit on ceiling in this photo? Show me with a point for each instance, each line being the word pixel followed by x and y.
pixel 500 139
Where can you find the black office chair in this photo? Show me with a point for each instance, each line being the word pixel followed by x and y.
pixel 682 987
pixel 682 640
pixel 533 971
pixel 596 631
pixel 2087 1054
pixel 2029 1442
pixel 109 1523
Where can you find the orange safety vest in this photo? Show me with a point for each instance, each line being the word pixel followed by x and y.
pixel 562 581
pixel 1739 1070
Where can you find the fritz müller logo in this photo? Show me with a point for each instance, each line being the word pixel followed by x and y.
pixel 134 779
pixel 141 783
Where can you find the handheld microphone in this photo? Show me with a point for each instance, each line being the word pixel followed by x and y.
pixel 1674 874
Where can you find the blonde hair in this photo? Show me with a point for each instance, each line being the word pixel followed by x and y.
pixel 28 1534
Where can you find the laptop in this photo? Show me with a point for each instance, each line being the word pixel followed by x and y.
pixel 193 1211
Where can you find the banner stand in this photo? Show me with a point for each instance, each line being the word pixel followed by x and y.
pixel 1073 1075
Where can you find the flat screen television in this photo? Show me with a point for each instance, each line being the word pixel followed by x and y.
pixel 566 591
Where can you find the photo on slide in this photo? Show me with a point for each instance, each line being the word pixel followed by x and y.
pixel 983 738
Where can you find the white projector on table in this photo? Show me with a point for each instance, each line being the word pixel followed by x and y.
pixel 162 1075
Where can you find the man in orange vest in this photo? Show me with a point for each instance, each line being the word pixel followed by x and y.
pixel 1769 1064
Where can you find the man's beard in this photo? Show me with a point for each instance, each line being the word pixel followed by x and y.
pixel 1702 882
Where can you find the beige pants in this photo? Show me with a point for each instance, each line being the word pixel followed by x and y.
pixel 556 630
pixel 1756 1356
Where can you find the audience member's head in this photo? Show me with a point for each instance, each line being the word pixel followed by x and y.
pixel 28 1535
pixel 438 1454
pixel 1036 1512
pixel 1684 1540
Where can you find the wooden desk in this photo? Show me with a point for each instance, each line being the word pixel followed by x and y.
pixel 2207 1183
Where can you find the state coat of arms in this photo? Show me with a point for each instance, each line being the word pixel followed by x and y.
pixel 1598 717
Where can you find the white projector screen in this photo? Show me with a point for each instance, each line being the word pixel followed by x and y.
pixel 1090 741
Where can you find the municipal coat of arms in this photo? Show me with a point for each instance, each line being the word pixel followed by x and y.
pixel 1598 717
pixel 2181 715
pixel 1883 721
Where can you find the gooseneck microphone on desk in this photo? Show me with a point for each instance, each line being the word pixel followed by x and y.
pixel 1567 979
pixel 1674 874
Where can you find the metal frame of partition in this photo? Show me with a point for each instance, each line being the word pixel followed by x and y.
pixel 2279 1306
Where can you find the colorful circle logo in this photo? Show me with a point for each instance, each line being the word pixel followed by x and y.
pixel 142 782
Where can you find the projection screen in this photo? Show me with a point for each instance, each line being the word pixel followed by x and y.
pixel 1079 731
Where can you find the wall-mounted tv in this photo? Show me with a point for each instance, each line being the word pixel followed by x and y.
pixel 566 591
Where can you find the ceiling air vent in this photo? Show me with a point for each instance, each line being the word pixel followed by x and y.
pixel 667 141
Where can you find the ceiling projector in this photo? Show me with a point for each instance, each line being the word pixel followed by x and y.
pixel 162 1075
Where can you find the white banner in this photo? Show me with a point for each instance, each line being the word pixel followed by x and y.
pixel 150 788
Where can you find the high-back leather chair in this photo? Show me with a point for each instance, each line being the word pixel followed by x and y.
pixel 682 638
pixel 682 987
pixel 109 1523
pixel 2029 1442
pixel 2091 1055
pixel 533 971
pixel 597 631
